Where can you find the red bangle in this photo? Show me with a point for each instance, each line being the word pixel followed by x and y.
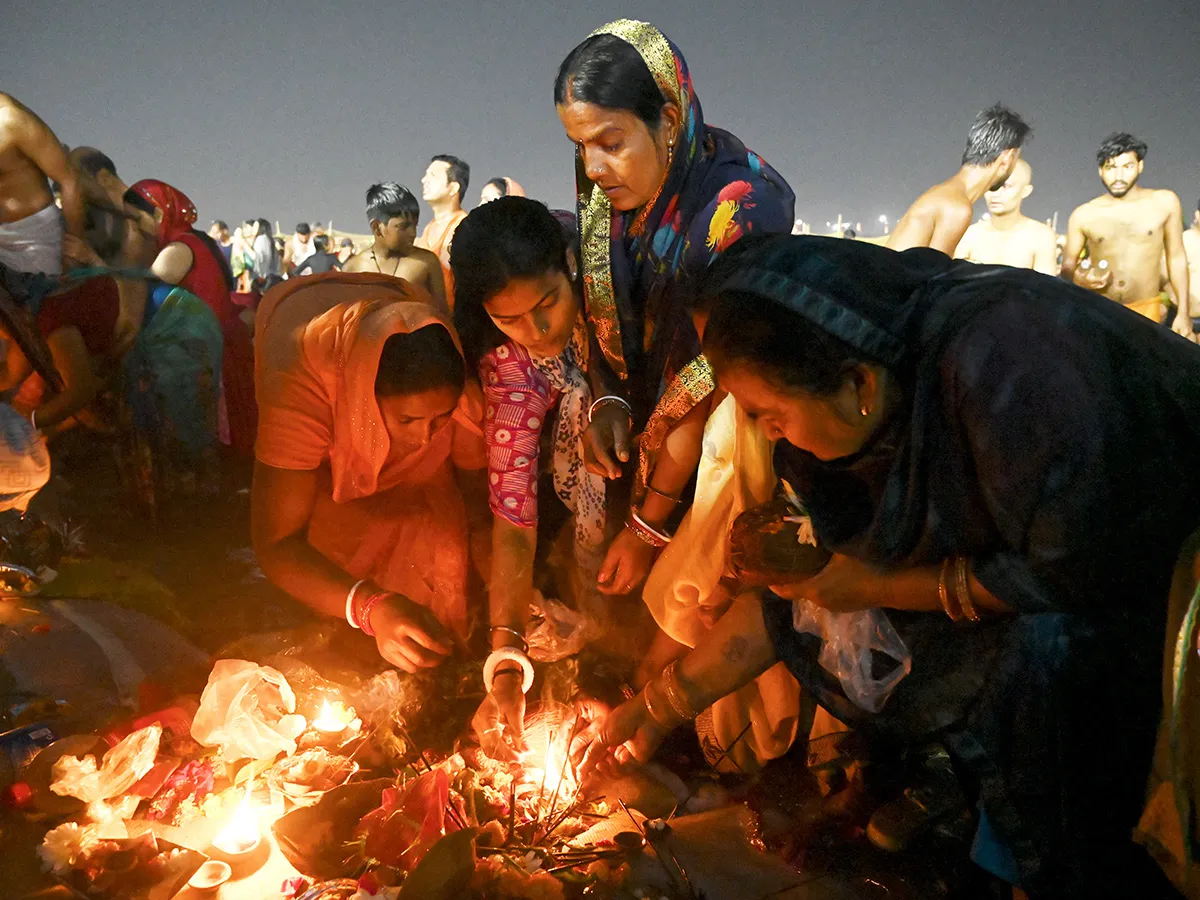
pixel 364 614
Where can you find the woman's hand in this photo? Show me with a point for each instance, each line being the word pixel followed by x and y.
pixel 628 737
pixel 408 635
pixel 844 585
pixel 502 711
pixel 626 564
pixel 606 441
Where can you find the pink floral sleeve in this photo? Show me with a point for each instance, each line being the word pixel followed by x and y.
pixel 517 397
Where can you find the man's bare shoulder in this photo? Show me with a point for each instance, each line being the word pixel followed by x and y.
pixel 1034 228
pixel 359 262
pixel 1168 199
pixel 426 258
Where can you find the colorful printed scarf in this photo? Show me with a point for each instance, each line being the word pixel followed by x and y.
pixel 641 268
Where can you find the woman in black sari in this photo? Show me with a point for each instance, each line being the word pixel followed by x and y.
pixel 1008 466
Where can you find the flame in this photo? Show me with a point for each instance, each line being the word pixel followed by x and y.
pixel 548 778
pixel 333 717
pixel 242 831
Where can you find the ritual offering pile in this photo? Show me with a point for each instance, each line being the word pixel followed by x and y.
pixel 325 793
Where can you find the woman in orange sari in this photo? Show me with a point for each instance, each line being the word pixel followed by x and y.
pixel 367 424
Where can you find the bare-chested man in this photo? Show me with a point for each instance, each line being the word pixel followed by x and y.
pixel 31 226
pixel 393 212
pixel 1191 246
pixel 940 217
pixel 1006 237
pixel 1126 231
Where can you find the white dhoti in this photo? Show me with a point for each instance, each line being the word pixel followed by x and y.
pixel 34 243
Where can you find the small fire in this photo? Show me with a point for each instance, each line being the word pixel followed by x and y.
pixel 241 834
pixel 548 776
pixel 334 717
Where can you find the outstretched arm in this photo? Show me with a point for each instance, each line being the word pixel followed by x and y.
pixel 1074 248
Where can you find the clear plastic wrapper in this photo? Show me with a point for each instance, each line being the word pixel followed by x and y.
pixel 248 711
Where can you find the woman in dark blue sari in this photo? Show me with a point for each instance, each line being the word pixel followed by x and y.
pixel 1008 466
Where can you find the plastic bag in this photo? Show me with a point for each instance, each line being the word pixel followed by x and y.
pixel 123 766
pixel 248 711
pixel 852 641
pixel 556 632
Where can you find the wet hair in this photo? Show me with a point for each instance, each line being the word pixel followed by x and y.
pixel 264 227
pixel 94 162
pixel 346 242
pixel 219 223
pixel 390 200
pixel 499 184
pixel 417 361
pixel 850 233
pixel 609 72
pixel 512 237
pixel 994 130
pixel 1117 143
pixel 320 243
pixel 782 346
pixel 457 172
pixel 303 228
pixel 137 201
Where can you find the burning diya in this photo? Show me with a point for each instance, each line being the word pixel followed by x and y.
pixel 241 837
pixel 335 724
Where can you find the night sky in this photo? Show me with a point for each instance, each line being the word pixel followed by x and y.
pixel 289 110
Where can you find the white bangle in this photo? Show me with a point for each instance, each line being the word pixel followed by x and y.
pixel 508 654
pixel 350 604
pixel 33 419
pixel 609 397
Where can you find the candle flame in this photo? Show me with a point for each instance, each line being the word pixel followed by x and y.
pixel 333 717
pixel 242 831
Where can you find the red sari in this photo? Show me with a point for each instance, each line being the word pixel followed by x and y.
pixel 209 279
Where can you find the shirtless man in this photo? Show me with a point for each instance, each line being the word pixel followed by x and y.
pixel 443 187
pixel 1008 238
pixel 31 226
pixel 1191 246
pixel 940 217
pixel 393 212
pixel 1126 231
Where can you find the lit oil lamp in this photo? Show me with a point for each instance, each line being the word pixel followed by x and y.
pixel 336 718
pixel 241 836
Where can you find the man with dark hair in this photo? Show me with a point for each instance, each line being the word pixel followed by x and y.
pixel 102 187
pixel 1126 232
pixel 298 248
pixel 443 187
pixel 219 232
pixel 321 259
pixel 31 226
pixel 393 212
pixel 940 217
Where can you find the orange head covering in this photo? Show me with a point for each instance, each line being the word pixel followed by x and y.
pixel 178 212
pixel 334 326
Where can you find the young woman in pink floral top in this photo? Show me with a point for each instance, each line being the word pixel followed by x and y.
pixel 520 317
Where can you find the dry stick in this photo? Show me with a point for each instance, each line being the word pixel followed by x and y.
pixel 687 882
pixel 561 775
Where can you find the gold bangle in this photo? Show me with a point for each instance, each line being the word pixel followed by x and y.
pixel 653 490
pixel 944 593
pixel 665 722
pixel 675 695
pixel 963 589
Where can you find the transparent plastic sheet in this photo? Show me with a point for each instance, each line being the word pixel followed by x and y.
pixel 120 769
pixel 853 645
pixel 556 631
pixel 248 711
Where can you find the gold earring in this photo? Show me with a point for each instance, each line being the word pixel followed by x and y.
pixel 863 409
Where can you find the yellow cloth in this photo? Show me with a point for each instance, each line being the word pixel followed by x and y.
pixel 1175 779
pixel 1151 307
pixel 735 472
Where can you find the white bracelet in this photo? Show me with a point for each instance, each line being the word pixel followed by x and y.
pixel 350 604
pixel 613 397
pixel 508 654
pixel 33 419
pixel 661 535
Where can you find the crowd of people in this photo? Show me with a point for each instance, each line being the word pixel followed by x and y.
pixel 1002 464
